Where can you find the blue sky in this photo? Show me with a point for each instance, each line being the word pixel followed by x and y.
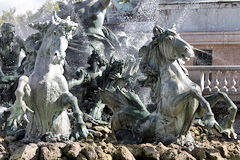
pixel 21 5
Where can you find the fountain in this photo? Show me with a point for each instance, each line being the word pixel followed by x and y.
pixel 75 63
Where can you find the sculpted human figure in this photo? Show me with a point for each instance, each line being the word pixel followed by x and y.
pixel 91 14
pixel 89 85
pixel 125 6
pixel 91 34
pixel 10 48
pixel 92 78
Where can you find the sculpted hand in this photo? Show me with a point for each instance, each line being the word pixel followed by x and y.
pixel 18 113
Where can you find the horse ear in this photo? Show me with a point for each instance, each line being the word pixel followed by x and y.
pixel 174 27
pixel 157 30
pixel 56 18
pixel 53 20
pixel 68 18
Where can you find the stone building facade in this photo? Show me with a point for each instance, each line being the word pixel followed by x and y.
pixel 213 26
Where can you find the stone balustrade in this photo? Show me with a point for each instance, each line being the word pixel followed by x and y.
pixel 219 78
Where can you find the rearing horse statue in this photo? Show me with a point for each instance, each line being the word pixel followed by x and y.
pixel 46 93
pixel 178 100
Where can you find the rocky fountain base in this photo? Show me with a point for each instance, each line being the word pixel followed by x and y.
pixel 105 147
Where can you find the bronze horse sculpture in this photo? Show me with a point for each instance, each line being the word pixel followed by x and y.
pixel 178 100
pixel 46 92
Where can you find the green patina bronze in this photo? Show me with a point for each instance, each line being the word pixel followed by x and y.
pixel 10 48
pixel 44 97
pixel 178 100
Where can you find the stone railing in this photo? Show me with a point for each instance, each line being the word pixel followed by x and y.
pixel 219 78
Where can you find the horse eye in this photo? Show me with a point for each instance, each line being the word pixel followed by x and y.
pixel 170 38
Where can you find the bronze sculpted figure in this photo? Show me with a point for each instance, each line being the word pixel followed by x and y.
pixel 178 100
pixel 44 97
pixel 10 48
pixel 91 34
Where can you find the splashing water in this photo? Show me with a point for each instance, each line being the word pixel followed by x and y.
pixel 186 12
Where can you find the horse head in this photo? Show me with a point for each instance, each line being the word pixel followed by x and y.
pixel 55 35
pixel 166 46
pixel 59 32
pixel 171 45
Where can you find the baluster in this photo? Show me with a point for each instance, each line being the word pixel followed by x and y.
pixel 202 80
pixel 215 81
pixel 232 82
pixel 207 82
pixel 224 82
pixel 238 82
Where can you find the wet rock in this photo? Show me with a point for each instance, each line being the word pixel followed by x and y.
pixel 199 153
pixel 102 144
pixel 3 153
pixel 170 154
pixel 144 151
pixel 12 147
pixel 213 154
pixel 81 157
pixel 89 152
pixel 122 153
pixel 109 148
pixel 10 139
pixel 223 148
pixel 27 152
pixel 234 152
pixel 148 152
pixel 102 129
pixel 50 151
pixel 63 158
pixel 60 145
pixel 72 150
pixel 234 156
pixel 102 155
pixel 161 148
pixel 183 155
pixel 134 149
pixel 98 134
pixel 88 125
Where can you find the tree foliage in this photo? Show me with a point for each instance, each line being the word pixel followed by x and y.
pixel 23 19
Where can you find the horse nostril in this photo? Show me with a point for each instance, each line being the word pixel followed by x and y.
pixel 55 54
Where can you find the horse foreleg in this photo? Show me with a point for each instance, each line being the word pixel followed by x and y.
pixel 227 125
pixel 19 108
pixel 67 100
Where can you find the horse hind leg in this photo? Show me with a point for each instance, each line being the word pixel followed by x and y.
pixel 187 101
pixel 191 108
pixel 67 100
pixel 227 124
